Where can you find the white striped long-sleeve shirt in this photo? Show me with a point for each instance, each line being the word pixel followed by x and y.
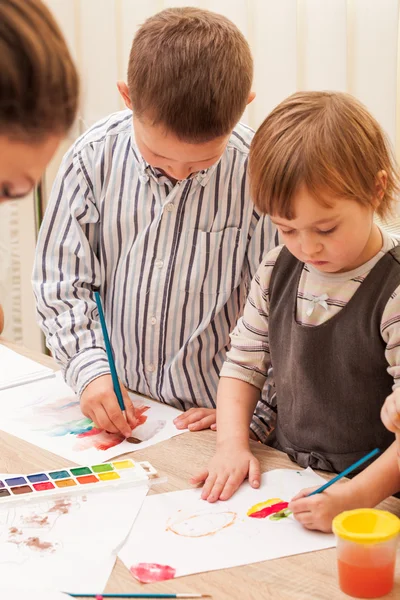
pixel 173 264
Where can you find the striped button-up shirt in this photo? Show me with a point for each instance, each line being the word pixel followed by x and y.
pixel 173 264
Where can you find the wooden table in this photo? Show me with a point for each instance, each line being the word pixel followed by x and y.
pixel 303 577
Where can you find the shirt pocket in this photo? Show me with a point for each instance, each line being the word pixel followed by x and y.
pixel 211 262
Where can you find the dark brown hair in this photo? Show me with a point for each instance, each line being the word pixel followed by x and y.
pixel 38 80
pixel 327 141
pixel 190 70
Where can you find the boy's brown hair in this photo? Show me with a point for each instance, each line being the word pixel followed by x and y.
pixel 190 70
pixel 327 141
pixel 38 81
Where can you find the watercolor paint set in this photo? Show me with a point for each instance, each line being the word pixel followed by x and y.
pixel 76 480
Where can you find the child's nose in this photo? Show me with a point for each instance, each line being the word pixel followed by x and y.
pixel 310 246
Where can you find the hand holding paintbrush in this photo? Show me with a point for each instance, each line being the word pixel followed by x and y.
pixel 105 400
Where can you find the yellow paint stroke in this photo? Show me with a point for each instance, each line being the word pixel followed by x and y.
pixel 262 505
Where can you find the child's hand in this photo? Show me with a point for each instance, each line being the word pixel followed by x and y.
pixel 390 413
pixel 196 419
pixel 317 512
pixel 227 469
pixel 99 403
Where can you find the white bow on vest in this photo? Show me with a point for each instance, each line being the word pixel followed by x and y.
pixel 321 300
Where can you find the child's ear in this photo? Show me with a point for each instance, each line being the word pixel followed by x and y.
pixel 124 91
pixel 251 97
pixel 380 187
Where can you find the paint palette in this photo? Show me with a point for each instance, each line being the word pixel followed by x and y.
pixel 15 489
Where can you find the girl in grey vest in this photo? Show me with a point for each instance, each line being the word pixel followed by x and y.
pixel 323 310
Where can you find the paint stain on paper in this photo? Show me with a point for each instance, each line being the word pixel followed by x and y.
pixel 38 544
pixel 38 520
pixel 269 508
pixel 150 572
pixel 61 506
pixel 33 542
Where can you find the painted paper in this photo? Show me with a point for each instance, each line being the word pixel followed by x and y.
pixel 179 534
pixel 67 544
pixel 48 414
pixel 16 369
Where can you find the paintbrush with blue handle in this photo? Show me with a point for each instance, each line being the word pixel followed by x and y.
pixel 352 467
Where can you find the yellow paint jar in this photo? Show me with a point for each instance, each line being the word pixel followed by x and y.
pixel 366 551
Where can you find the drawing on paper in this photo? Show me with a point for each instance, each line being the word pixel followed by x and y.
pixel 201 523
pixel 274 508
pixel 24 530
pixel 180 530
pixel 62 417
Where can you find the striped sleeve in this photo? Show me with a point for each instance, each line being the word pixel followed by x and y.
pixel 249 357
pixel 390 330
pixel 66 270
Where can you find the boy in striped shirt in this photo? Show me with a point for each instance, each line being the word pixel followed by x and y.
pixel 154 210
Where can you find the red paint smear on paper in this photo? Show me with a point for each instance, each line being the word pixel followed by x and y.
pixel 269 510
pixel 104 440
pixel 150 572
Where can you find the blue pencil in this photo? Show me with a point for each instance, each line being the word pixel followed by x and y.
pixel 117 387
pixel 346 472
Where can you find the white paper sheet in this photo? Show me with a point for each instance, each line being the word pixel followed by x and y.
pixel 179 534
pixel 47 414
pixel 18 370
pixel 67 545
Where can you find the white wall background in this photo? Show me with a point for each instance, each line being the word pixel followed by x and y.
pixel 347 45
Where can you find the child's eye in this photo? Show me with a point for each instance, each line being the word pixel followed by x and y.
pixel 327 231
pixel 288 231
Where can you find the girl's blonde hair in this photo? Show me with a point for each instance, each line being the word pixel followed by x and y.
pixel 38 81
pixel 327 141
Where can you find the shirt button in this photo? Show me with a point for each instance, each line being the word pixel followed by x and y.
pixel 159 263
pixel 153 320
pixel 170 207
pixel 151 367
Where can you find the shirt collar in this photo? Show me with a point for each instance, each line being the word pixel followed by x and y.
pixel 146 171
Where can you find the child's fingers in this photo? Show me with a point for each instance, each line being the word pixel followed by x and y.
pixel 213 427
pixel 101 418
pixel 208 485
pixel 387 418
pixel 116 417
pixel 204 423
pixel 199 478
pixel 232 484
pixel 192 416
pixel 92 416
pixel 130 412
pixel 186 418
pixel 254 473
pixel 303 504
pixel 303 493
pixel 219 485
pixel 305 519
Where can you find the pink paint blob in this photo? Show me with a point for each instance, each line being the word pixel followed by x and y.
pixel 269 510
pixel 150 572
